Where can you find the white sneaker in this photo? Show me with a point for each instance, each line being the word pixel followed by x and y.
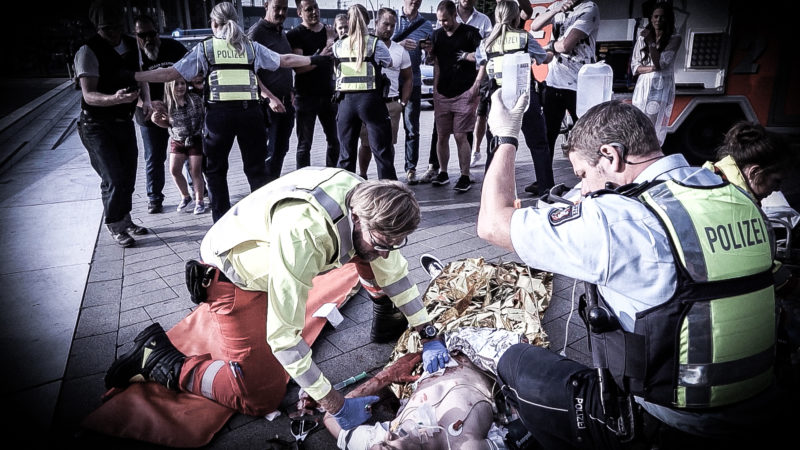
pixel 476 158
pixel 184 203
pixel 200 207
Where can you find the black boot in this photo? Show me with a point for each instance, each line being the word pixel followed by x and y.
pixel 388 323
pixel 153 357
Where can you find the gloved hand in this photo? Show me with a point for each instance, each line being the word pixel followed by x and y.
pixel 355 411
pixel 434 355
pixel 506 122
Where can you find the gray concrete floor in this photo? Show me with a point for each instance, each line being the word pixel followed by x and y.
pixel 73 299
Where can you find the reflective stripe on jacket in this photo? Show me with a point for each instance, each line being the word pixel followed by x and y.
pixel 713 343
pixel 350 76
pixel 512 42
pixel 231 75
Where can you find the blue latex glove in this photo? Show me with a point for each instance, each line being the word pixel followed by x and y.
pixel 434 355
pixel 355 411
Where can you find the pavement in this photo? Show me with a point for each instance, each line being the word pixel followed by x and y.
pixel 73 300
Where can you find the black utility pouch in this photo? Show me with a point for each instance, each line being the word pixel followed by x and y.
pixel 198 277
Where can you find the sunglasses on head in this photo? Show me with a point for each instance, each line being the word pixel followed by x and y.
pixel 147 34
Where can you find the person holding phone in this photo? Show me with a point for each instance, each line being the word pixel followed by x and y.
pixel 108 101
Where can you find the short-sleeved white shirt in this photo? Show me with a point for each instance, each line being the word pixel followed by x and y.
pixel 400 60
pixel 563 70
pixel 612 241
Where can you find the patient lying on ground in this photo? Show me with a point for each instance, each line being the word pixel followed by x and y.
pixel 454 409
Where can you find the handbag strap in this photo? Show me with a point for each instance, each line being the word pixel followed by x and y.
pixel 418 23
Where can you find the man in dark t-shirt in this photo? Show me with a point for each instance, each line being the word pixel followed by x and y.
pixel 156 52
pixel 455 94
pixel 269 33
pixel 314 85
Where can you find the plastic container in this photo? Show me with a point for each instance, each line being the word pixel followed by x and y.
pixel 516 78
pixel 594 86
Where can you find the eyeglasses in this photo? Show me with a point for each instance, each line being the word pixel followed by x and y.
pixel 147 34
pixel 386 248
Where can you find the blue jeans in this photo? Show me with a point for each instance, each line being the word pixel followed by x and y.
pixel 308 109
pixel 411 125
pixel 113 153
pixel 224 122
pixel 155 140
pixel 278 134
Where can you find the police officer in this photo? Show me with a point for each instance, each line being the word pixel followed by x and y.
pixel 358 59
pixel 229 60
pixel 316 219
pixel 683 320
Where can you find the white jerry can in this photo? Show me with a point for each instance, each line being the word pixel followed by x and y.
pixel 594 86
pixel 516 78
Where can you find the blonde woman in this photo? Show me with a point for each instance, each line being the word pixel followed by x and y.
pixel 358 59
pixel 233 100
pixel 506 37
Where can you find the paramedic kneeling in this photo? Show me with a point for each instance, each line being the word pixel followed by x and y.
pixel 679 297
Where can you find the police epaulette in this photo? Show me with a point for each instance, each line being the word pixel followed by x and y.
pixel 628 190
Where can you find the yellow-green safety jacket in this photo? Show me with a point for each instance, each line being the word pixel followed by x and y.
pixel 514 42
pixel 278 238
pixel 350 77
pixel 713 342
pixel 231 75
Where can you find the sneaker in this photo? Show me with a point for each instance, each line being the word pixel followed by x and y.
pixel 154 207
pixel 532 188
pixel 476 158
pixel 463 184
pixel 123 239
pixel 441 179
pixel 411 177
pixel 184 203
pixel 136 229
pixel 431 265
pixel 200 207
pixel 428 176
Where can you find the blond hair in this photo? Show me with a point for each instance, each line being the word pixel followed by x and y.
pixel 224 14
pixel 357 17
pixel 386 206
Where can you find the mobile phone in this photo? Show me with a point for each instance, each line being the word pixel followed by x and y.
pixel 131 89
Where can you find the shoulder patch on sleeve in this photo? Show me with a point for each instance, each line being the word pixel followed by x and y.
pixel 557 216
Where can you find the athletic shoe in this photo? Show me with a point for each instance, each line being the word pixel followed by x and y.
pixel 431 264
pixel 441 179
pixel 476 158
pixel 463 184
pixel 184 203
pixel 136 229
pixel 200 207
pixel 411 177
pixel 123 239
pixel 532 188
pixel 428 176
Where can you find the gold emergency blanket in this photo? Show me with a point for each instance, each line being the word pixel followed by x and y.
pixel 473 293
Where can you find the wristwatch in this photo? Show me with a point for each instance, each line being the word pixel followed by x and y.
pixel 428 332
pixel 498 140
